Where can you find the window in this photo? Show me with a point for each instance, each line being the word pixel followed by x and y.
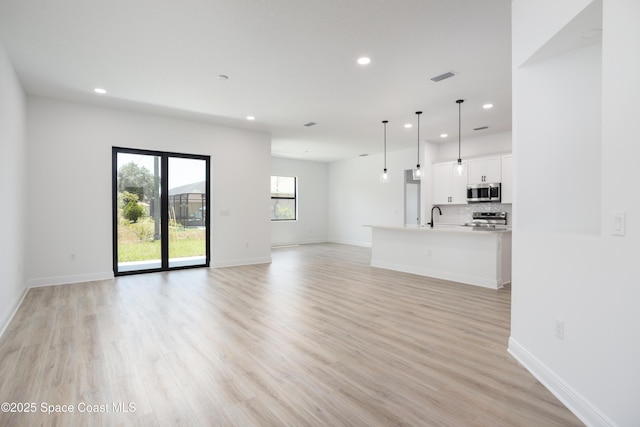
pixel 283 198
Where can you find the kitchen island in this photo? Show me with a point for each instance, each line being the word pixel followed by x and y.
pixel 480 257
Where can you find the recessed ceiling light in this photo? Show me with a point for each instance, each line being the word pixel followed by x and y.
pixel 250 118
pixel 487 106
pixel 408 125
pixel 364 60
pixel 100 91
pixel 443 135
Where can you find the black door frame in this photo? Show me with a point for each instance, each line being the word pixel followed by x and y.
pixel 164 207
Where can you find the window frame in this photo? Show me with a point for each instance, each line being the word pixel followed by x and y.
pixel 294 198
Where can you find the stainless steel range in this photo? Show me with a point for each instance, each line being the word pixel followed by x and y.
pixel 488 221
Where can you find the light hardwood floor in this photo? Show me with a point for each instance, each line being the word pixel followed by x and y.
pixel 316 338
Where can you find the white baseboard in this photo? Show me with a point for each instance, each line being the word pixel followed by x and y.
pixel 298 242
pixel 573 400
pixel 350 242
pixel 65 280
pixel 4 323
pixel 239 262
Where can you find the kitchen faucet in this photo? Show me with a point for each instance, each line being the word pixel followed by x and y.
pixel 435 207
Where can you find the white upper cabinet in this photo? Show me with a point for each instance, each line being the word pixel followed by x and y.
pixel 507 179
pixel 486 169
pixel 449 187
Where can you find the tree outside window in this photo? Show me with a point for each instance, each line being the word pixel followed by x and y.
pixel 283 198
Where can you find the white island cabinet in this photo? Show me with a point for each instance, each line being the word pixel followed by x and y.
pixel 456 253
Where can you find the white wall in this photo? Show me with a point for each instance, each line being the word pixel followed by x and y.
pixel 14 190
pixel 544 19
pixel 495 143
pixel 69 186
pixel 573 269
pixel 357 197
pixel 313 191
pixel 563 136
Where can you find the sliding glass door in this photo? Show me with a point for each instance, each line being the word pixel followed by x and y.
pixel 160 219
pixel 187 211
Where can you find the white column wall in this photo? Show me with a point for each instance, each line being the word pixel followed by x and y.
pixel 13 173
pixel 571 269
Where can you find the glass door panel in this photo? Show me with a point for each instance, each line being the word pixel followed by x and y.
pixel 138 222
pixel 160 219
pixel 187 212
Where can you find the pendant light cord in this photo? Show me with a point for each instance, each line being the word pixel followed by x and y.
pixel 459 101
pixel 418 114
pixel 385 143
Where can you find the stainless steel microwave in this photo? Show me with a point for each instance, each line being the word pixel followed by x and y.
pixel 484 192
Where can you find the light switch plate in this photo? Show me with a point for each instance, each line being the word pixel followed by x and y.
pixel 618 219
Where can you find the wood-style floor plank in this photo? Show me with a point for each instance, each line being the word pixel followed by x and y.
pixel 316 338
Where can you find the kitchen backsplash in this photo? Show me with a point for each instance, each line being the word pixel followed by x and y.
pixel 459 214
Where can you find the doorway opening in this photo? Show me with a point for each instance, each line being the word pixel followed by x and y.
pixel 411 199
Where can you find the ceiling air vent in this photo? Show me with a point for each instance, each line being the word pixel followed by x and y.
pixel 443 76
pixel 481 128
pixel 310 124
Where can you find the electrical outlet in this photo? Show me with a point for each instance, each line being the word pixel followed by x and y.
pixel 560 329
pixel 618 220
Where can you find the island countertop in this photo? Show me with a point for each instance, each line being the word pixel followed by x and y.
pixel 480 257
pixel 449 228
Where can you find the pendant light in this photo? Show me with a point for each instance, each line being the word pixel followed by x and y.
pixel 384 177
pixel 459 167
pixel 417 173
